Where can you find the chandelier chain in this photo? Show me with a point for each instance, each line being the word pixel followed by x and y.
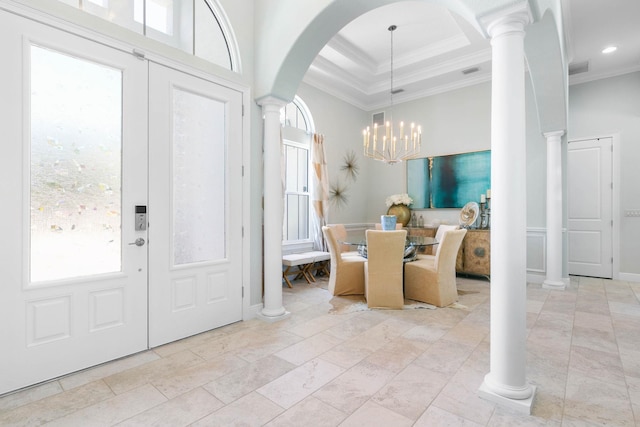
pixel 384 142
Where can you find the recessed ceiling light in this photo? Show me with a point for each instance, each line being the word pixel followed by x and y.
pixel 609 49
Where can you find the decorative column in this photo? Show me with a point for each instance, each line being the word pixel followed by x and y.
pixel 273 201
pixel 554 212
pixel 506 382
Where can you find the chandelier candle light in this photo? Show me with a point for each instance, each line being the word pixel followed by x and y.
pixel 392 147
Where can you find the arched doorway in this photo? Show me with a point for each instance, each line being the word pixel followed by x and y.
pixel 282 66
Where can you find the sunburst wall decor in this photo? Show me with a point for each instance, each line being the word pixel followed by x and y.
pixel 338 194
pixel 350 165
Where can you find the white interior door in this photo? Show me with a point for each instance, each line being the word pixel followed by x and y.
pixel 195 205
pixel 73 291
pixel 589 176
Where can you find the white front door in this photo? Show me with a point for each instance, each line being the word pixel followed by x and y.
pixel 589 197
pixel 73 290
pixel 195 204
pixel 82 135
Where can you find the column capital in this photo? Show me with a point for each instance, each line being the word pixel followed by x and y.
pixel 507 20
pixel 268 102
pixel 553 134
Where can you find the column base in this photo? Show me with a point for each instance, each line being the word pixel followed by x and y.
pixel 268 317
pixel 554 285
pixel 522 406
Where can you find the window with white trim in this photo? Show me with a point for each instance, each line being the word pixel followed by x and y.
pixel 297 128
pixel 194 26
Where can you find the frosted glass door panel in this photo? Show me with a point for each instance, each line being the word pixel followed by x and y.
pixel 76 147
pixel 199 170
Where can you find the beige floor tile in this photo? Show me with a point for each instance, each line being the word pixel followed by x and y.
pixel 444 356
pixel 398 354
pixel 426 333
pixel 534 306
pixel 505 417
pixel 31 394
pixel 434 417
pixel 411 391
pixel 626 331
pixel 382 367
pixel 56 406
pixel 373 415
pixel 630 362
pixel 244 380
pixel 299 383
pixel 107 369
pixel 179 381
pixel 549 400
pixel 468 333
pixel 144 374
pixel 348 354
pixel 267 344
pixel 460 396
pixel 112 411
pixel 181 411
pixel 353 388
pixel 601 365
pixel 308 349
pixel 597 401
pixel 319 324
pixel 309 412
pixel 190 342
pixel 633 385
pixel 594 339
pixel 358 324
pixel 250 410
pixel 598 322
pixel 227 343
pixel 626 308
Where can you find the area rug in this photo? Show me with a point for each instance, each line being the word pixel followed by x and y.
pixel 340 306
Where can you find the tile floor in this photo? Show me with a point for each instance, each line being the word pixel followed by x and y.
pixel 333 362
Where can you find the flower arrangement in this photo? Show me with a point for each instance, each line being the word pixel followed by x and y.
pixel 399 199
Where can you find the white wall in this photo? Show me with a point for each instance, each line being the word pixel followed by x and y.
pixel 459 121
pixel 454 122
pixel 601 108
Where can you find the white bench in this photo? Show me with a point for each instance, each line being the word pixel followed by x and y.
pixel 306 263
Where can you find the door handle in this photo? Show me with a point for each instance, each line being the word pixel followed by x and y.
pixel 139 242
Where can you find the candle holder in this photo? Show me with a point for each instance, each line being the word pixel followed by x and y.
pixel 484 215
pixel 488 212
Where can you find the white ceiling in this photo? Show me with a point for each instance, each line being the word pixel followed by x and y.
pixel 433 46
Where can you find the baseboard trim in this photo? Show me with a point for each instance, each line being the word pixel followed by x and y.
pixel 629 277
pixel 252 312
pixel 536 278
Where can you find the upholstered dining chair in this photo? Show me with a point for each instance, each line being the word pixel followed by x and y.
pixel 379 226
pixel 433 280
pixel 347 272
pixel 383 268
pixel 340 233
pixel 442 228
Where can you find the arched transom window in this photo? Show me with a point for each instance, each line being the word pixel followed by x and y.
pixel 198 27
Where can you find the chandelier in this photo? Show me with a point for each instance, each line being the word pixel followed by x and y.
pixel 390 145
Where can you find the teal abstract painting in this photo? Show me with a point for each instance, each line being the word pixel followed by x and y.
pixel 448 181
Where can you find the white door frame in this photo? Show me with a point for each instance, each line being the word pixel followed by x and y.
pixel 615 198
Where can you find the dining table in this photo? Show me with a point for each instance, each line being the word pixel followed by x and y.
pixel 413 244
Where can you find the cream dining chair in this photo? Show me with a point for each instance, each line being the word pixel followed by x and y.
pixel 347 272
pixel 340 233
pixel 433 280
pixel 379 226
pixel 383 268
pixel 443 228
